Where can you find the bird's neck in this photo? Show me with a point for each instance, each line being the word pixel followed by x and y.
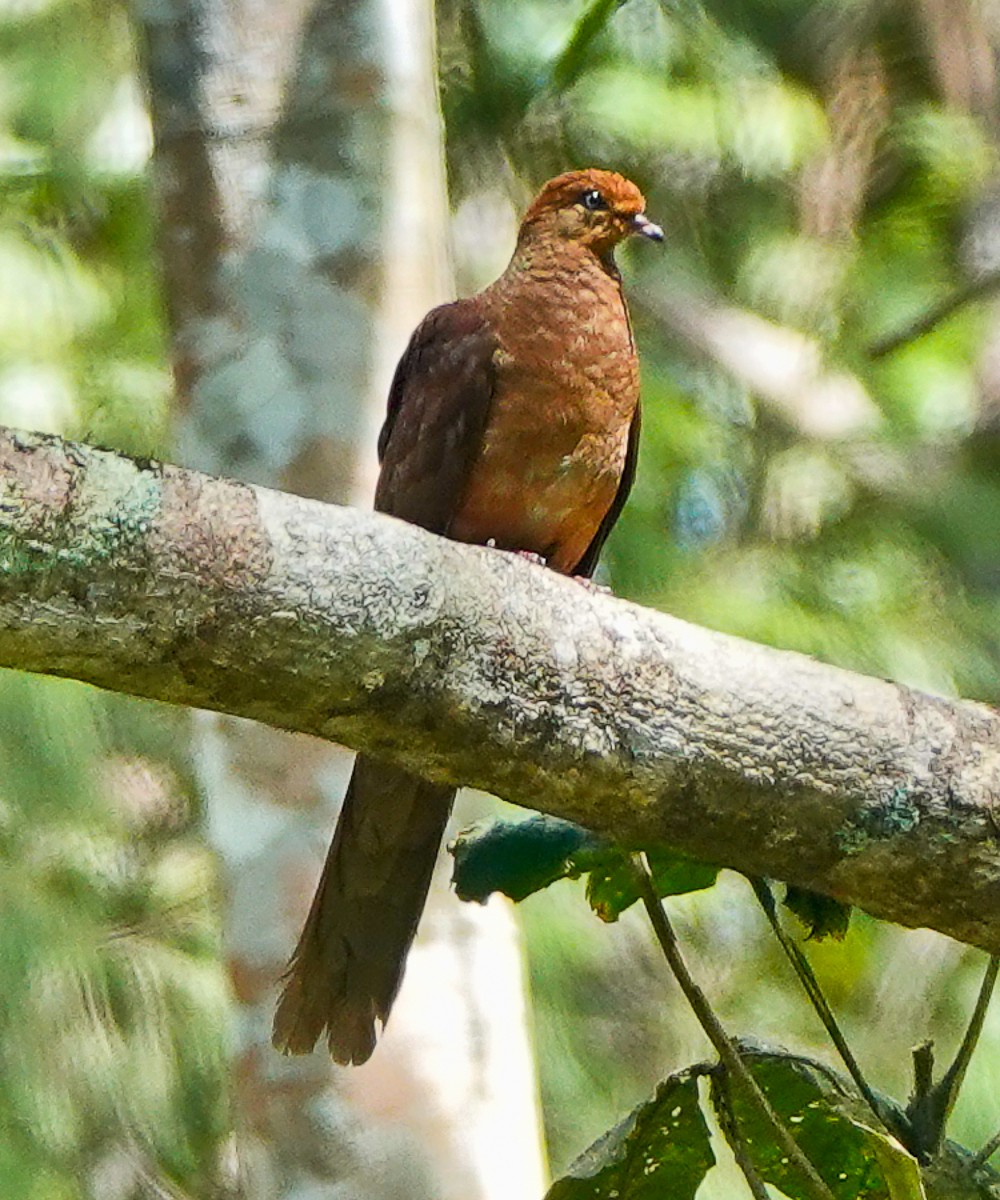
pixel 564 290
pixel 540 255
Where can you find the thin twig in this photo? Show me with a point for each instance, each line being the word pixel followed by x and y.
pixel 929 320
pixel 931 1105
pixel 731 1131
pixel 954 1077
pixel 923 1070
pixel 986 1153
pixel 573 57
pixel 724 1047
pixel 810 985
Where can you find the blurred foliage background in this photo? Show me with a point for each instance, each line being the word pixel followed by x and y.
pixel 821 380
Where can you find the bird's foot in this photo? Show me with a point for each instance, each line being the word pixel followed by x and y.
pixel 528 555
pixel 598 589
pixel 532 557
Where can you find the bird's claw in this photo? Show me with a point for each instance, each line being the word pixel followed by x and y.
pixel 532 557
pixel 527 555
pixel 598 589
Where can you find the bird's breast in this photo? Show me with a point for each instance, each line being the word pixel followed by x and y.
pixel 555 446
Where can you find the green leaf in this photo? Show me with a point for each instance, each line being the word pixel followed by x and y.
pixel 900 1169
pixel 516 858
pixel 520 858
pixel 612 885
pixel 822 916
pixel 674 874
pixel 822 1116
pixel 661 1150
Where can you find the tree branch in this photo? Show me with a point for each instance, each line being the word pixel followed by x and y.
pixel 471 666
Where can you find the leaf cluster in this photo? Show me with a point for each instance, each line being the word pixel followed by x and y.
pixel 862 1145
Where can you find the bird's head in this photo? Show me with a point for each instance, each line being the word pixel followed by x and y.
pixel 593 208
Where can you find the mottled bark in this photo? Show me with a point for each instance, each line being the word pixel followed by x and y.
pixel 472 666
pixel 268 170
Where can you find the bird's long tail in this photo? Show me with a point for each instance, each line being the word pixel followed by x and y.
pixel 349 961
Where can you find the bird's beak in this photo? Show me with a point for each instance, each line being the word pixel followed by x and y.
pixel 643 225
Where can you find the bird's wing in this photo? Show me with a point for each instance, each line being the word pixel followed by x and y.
pixel 349 961
pixel 588 564
pixel 439 404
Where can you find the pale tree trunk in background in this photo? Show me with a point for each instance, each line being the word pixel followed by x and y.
pixel 300 179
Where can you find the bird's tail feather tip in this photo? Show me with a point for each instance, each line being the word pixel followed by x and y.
pixel 298 1024
pixel 350 1036
pixel 290 1034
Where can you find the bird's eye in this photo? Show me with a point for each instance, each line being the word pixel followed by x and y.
pixel 593 200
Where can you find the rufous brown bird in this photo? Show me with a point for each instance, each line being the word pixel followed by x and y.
pixel 513 421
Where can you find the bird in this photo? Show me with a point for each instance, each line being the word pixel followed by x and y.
pixel 512 421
